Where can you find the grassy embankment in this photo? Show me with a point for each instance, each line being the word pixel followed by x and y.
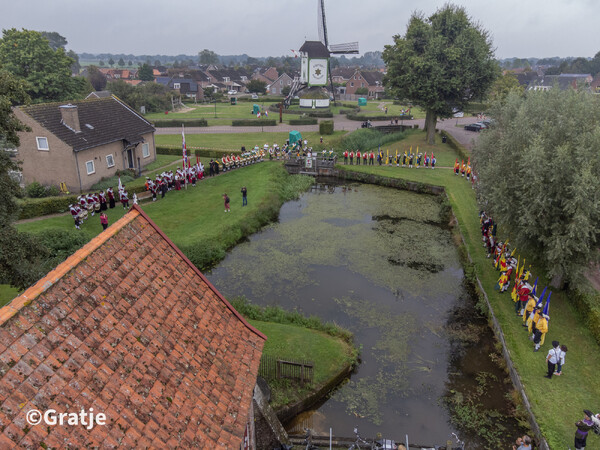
pixel 557 403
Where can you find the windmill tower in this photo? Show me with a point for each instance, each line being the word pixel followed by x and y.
pixel 315 69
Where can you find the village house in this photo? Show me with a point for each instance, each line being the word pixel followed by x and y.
pixel 563 81
pixel 128 327
pixel 81 142
pixel 183 86
pixel 266 75
pixel 372 81
pixel 229 79
pixel 276 86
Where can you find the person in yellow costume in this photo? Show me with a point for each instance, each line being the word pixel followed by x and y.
pixel 541 328
pixel 532 321
pixel 529 307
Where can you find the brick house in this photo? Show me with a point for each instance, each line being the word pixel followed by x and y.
pixel 276 86
pixel 83 141
pixel 267 75
pixel 231 79
pixel 128 326
pixel 373 81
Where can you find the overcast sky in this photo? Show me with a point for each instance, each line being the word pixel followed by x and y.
pixel 521 28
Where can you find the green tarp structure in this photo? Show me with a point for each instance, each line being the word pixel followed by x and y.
pixel 295 136
pixel 362 101
pixel 255 109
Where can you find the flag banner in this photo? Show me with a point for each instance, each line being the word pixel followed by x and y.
pixel 183 146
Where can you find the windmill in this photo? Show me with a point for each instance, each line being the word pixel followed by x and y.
pixel 315 57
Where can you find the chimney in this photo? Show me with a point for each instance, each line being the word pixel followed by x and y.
pixel 70 117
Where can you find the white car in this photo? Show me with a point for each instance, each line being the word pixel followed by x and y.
pixel 254 96
pixel 232 92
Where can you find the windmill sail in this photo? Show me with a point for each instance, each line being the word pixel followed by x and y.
pixel 322 22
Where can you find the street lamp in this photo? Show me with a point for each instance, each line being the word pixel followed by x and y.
pixel 215 102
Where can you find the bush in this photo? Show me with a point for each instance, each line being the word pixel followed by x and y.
pixel 36 190
pixel 61 243
pixel 378 117
pixel 174 123
pixel 588 304
pixel 254 123
pixel 367 139
pixel 35 207
pixel 326 127
pixel 304 121
pixel 321 113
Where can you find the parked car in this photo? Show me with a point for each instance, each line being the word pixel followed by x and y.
pixel 457 113
pixel 232 92
pixel 478 126
pixel 254 96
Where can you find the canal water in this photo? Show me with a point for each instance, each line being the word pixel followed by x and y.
pixel 381 263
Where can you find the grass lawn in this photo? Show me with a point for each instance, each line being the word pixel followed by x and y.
pixel 328 354
pixel 162 160
pixel 557 403
pixel 234 141
pixel 188 215
pixel 7 293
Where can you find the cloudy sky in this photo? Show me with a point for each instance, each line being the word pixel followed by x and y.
pixel 521 28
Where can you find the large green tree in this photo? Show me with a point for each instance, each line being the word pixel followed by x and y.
pixel 539 177
pixel 28 55
pixel 440 63
pixel 208 57
pixel 258 86
pixel 96 78
pixel 145 73
pixel 503 86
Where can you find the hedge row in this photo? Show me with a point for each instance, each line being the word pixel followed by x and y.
pixel 173 123
pixel 35 207
pixel 326 127
pixel 304 121
pixel 588 304
pixel 254 123
pixel 378 117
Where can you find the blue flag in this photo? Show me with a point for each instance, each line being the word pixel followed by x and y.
pixel 547 306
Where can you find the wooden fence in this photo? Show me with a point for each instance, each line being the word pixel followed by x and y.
pixel 272 367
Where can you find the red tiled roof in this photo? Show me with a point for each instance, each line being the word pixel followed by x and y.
pixel 127 326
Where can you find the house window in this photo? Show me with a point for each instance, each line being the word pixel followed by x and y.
pixel 280 82
pixel 42 143
pixel 145 150
pixel 352 84
pixel 362 84
pixel 110 161
pixel 289 82
pixel 90 167
pixel 226 79
pixel 176 86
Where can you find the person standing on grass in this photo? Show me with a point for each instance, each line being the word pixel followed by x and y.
pixel 226 201
pixel 104 220
pixel 563 349
pixel 244 196
pixel 553 358
pixel 583 428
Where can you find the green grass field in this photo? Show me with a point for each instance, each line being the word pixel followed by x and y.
pixel 235 141
pixel 328 354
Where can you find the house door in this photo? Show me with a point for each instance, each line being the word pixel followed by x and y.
pixel 130 164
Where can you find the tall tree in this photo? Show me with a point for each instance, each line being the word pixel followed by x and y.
pixel 111 62
pixel 96 78
pixel 539 176
pixel 121 62
pixel 27 55
pixel 257 86
pixel 503 86
pixel 145 73
pixel 441 63
pixel 208 57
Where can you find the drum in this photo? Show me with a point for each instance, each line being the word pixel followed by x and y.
pixel 83 214
pixel 96 207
